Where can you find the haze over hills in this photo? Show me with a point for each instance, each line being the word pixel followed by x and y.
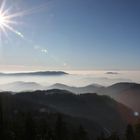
pixel 25 86
pixel 93 88
pixel 21 86
pixel 126 93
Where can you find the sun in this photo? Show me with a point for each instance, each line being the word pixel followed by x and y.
pixel 2 19
pixel 7 20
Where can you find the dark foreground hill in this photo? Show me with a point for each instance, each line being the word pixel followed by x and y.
pixel 27 119
pixel 95 113
pixel 100 109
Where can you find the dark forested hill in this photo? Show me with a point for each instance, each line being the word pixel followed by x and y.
pixel 96 114
pixel 101 109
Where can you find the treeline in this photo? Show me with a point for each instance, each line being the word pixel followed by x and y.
pixel 19 125
pixel 131 133
pixel 26 127
pixel 42 125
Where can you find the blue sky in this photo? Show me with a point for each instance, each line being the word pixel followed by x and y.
pixel 73 35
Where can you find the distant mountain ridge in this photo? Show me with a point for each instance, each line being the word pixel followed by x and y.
pixel 24 86
pixel 126 93
pixel 38 73
pixel 93 88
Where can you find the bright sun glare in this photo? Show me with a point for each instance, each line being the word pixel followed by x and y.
pixel 7 20
pixel 2 20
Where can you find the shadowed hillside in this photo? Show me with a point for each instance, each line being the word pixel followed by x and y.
pixel 126 93
pixel 100 109
pixel 84 115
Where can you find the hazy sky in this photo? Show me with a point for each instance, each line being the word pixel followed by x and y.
pixel 72 34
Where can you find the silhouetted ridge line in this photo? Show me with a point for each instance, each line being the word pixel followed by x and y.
pixel 38 73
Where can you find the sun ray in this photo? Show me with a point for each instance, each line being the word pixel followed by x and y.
pixel 2 6
pixel 6 11
pixel 13 30
pixel 27 12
